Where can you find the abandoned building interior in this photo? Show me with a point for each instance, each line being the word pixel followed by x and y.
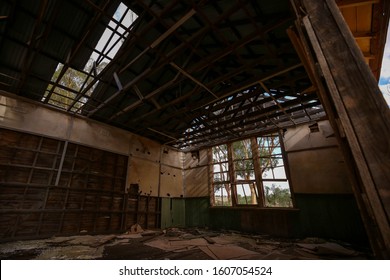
pixel 219 129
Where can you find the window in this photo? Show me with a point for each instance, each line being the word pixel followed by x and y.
pixel 245 183
pixel 276 187
pixel 250 172
pixel 221 178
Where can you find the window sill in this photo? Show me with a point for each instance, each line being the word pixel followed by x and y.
pixel 245 207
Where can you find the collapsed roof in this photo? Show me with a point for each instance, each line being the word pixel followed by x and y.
pixel 185 73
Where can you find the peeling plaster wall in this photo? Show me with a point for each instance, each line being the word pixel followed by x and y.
pixel 144 173
pixel 171 173
pixel 141 147
pixel 171 182
pixel 28 117
pixel 173 158
pixel 196 175
pixel 315 161
pixel 31 118
pixel 144 165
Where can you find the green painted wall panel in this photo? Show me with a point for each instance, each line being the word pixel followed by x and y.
pixel 172 212
pixel 332 216
pixel 318 215
pixel 225 218
pixel 178 212
pixel 197 212
pixel 166 219
pixel 329 216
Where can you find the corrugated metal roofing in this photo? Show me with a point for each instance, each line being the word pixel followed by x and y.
pixel 189 74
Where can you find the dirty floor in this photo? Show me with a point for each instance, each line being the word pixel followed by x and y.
pixel 180 244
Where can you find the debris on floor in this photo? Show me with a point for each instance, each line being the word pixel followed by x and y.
pixel 175 243
pixel 327 248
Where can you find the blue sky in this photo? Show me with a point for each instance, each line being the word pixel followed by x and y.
pixel 384 81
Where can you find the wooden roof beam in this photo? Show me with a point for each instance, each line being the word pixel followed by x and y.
pixel 235 88
pixel 254 122
pixel 182 71
pixel 363 35
pixel 167 58
pixel 355 3
pixel 263 112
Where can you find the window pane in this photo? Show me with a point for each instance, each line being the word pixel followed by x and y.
pixel 221 178
pixel 220 153
pixel 247 193
pixel 275 183
pixel 244 170
pixel 242 149
pixel 243 160
pixel 222 195
pixel 277 194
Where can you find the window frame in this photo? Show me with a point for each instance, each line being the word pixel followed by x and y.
pixel 258 180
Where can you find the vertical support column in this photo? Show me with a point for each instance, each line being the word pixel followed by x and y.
pixel 211 175
pixel 360 113
pixel 61 164
pixel 232 174
pixel 258 173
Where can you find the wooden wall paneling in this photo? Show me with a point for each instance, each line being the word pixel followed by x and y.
pixel 39 207
pixel 30 176
pixel 42 211
pixel 146 212
pixel 31 170
pixel 112 206
pixel 131 212
pixel 124 211
pixel 69 181
pixel 154 213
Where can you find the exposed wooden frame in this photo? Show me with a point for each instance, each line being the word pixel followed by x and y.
pixel 355 3
pixel 353 97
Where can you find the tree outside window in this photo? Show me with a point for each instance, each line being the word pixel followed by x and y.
pixel 250 172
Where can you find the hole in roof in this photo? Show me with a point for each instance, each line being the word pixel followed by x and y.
pixel 65 86
pixel 113 36
pixel 69 88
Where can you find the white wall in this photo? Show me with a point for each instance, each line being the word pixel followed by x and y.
pixel 315 161
pixel 196 175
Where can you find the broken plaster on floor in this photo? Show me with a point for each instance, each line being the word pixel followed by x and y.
pixel 177 244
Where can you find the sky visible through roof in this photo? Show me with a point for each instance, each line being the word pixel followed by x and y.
pixel 384 81
pixel 126 17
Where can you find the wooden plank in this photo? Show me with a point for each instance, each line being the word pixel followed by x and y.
pixel 359 104
pixel 350 17
pixel 355 3
pixel 363 15
pixel 366 210
pixel 366 213
pixel 374 132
